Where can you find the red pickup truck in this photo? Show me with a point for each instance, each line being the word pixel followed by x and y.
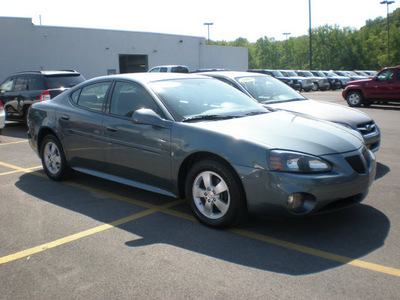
pixel 384 87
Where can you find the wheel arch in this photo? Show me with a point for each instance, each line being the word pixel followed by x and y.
pixel 42 133
pixel 198 156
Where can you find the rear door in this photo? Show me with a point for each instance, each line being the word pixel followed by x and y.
pixel 81 125
pixel 136 152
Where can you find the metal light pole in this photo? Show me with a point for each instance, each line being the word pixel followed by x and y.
pixel 309 17
pixel 387 6
pixel 208 28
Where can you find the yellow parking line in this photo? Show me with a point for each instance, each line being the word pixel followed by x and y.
pixel 165 209
pixel 17 169
pixel 10 143
pixel 82 234
pixel 314 252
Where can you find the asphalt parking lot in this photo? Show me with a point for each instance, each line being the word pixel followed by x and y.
pixel 88 238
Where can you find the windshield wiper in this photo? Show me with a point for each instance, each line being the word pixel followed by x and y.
pixel 208 117
pixel 253 113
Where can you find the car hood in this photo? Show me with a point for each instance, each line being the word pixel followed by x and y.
pixel 324 110
pixel 283 130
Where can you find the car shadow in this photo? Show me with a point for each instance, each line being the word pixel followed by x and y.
pixel 14 130
pixel 385 106
pixel 381 170
pixel 353 232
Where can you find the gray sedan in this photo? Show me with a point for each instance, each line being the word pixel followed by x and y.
pixel 195 137
pixel 274 94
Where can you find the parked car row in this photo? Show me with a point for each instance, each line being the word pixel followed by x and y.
pixel 302 80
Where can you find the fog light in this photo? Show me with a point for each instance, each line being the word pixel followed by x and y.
pixel 295 202
pixel 300 203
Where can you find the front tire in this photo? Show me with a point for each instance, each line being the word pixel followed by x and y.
pixel 53 158
pixel 215 194
pixel 354 99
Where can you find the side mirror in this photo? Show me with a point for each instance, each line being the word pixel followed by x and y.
pixel 149 117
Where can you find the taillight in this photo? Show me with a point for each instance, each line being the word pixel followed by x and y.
pixel 45 96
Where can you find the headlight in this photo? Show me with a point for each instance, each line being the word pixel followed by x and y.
pixel 288 161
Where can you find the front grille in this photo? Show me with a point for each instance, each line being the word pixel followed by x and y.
pixel 360 162
pixel 356 163
pixel 366 128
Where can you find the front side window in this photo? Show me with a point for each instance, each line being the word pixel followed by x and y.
pixel 20 84
pixel 7 85
pixel 385 75
pixel 92 96
pixel 127 98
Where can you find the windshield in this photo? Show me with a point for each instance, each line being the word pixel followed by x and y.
pixel 308 74
pixel 319 74
pixel 331 74
pixel 192 98
pixel 268 90
pixel 290 73
pixel 277 74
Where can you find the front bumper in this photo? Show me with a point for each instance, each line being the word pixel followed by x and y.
pixel 348 182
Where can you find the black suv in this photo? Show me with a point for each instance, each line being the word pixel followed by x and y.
pixel 20 90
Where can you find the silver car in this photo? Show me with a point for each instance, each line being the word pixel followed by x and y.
pixel 195 137
pixel 271 92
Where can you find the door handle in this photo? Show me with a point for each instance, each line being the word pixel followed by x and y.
pixel 65 117
pixel 112 129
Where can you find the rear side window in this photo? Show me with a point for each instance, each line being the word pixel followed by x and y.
pixel 92 97
pixel 7 85
pixel 67 81
pixel 35 82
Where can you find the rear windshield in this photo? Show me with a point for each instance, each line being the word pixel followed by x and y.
pixel 179 70
pixel 67 81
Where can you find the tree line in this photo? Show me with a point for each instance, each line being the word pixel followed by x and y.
pixel 333 48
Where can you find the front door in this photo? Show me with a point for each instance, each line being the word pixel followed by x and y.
pixel 136 152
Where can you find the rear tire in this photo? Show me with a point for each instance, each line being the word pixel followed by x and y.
pixel 354 99
pixel 53 158
pixel 215 194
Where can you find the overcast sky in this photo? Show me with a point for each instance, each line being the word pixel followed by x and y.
pixel 251 19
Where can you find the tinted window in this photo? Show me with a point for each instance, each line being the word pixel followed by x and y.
pixel 35 82
pixel 20 83
pixel 7 85
pixel 55 82
pixel 154 70
pixel 163 69
pixel 179 70
pixel 127 98
pixel 92 96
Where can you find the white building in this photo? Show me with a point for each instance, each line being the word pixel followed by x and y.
pixel 95 52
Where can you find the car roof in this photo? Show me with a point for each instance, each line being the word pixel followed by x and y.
pixel 49 72
pixel 233 74
pixel 145 77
